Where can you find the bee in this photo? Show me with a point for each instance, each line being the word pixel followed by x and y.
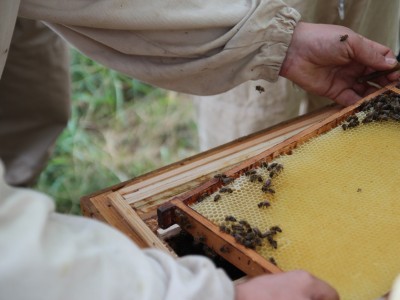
pixel 238 238
pixel 272 242
pixel 268 190
pixel 258 241
pixel 250 172
pixel 260 179
pixel 267 234
pixel 225 249
pixel 396 117
pixel 367 120
pixel 272 261
pixel 250 235
pixel 264 204
pixel 227 180
pixel 356 122
pixel 257 231
pixel 279 167
pixel 378 105
pixel 244 223
pixel 237 228
pixel 384 117
pixel 253 177
pixel 249 244
pixel 276 229
pixel 352 118
pixel 264 165
pixel 268 182
pixel 217 197
pixel 209 252
pixel 344 37
pixel 226 190
pixel 220 176
pixel 344 126
pixel 230 218
pixel 260 89
pixel 223 228
pixel 202 197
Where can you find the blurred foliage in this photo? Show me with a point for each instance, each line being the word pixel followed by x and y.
pixel 119 128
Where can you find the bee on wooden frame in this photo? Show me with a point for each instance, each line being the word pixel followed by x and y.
pixel 225 249
pixel 273 261
pixel 226 190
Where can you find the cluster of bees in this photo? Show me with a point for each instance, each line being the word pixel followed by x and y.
pixel 242 231
pixel 248 236
pixel 352 121
pixel 273 169
pixel 384 107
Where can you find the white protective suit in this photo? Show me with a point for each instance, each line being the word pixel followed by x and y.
pixel 47 256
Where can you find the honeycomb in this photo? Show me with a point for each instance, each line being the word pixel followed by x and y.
pixel 337 203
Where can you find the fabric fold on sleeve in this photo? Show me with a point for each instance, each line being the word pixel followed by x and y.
pixel 193 46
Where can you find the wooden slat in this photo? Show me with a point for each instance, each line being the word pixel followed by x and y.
pixel 105 212
pixel 217 161
pixel 243 258
pixel 136 223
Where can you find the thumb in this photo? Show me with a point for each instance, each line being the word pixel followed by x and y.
pixel 372 54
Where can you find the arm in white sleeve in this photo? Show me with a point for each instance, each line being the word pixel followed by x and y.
pixel 47 256
pixel 395 293
pixel 193 46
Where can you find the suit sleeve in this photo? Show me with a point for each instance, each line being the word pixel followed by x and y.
pixel 199 46
pixel 46 256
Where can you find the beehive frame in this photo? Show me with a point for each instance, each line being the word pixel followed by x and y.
pixel 132 205
pixel 178 210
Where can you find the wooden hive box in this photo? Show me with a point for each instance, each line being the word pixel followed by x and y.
pixel 143 205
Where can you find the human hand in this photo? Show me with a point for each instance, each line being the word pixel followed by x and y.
pixel 323 61
pixel 295 285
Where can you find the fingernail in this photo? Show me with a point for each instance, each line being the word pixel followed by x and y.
pixel 390 61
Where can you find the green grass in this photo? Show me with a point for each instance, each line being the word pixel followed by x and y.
pixel 120 128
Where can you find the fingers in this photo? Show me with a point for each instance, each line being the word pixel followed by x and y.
pixel 372 54
pixel 314 288
pixel 393 76
pixel 295 285
pixel 349 96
